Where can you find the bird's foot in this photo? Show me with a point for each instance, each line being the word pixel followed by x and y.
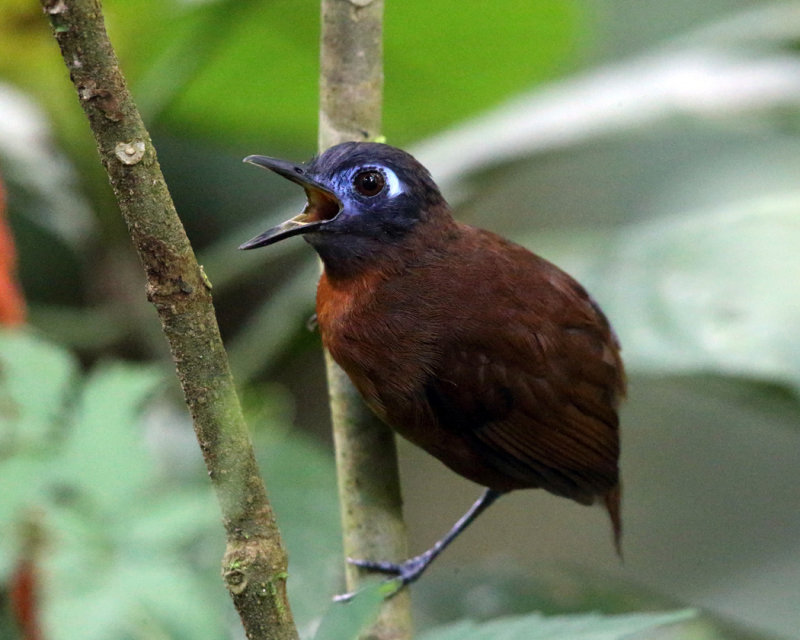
pixel 402 573
pixel 406 572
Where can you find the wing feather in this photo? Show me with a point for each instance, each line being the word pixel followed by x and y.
pixel 538 396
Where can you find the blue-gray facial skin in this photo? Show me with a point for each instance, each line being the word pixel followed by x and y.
pixel 360 195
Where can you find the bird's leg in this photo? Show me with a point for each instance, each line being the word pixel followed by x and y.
pixel 408 571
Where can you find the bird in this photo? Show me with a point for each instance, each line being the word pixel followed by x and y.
pixel 487 356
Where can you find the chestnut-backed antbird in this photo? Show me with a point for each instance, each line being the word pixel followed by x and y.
pixel 487 356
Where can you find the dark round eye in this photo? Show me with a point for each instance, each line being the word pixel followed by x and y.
pixel 369 183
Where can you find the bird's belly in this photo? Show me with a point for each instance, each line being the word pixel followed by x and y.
pixel 449 403
pixel 400 402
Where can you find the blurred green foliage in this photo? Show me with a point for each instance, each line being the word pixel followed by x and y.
pixel 126 547
pixel 235 72
pixel 130 541
pixel 116 540
pixel 535 627
pixel 650 148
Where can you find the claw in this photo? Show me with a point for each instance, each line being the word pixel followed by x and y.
pixel 387 589
pixel 344 597
pixel 391 568
pixel 402 573
pixel 406 572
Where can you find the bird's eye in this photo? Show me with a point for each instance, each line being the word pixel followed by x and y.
pixel 369 183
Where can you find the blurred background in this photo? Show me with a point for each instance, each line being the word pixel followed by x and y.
pixel 649 148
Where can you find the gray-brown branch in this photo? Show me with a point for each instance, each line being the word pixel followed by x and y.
pixel 254 566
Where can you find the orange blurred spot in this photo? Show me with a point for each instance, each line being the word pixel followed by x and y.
pixel 12 302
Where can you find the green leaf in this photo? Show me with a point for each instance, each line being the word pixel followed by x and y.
pixel 578 627
pixel 174 519
pixel 345 620
pixel 105 453
pixel 707 292
pixel 134 597
pixel 35 380
pixel 126 538
pixel 118 534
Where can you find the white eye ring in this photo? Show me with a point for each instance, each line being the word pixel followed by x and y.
pixel 395 187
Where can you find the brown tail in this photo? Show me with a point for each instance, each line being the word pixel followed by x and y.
pixel 612 500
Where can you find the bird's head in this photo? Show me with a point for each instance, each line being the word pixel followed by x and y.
pixel 361 196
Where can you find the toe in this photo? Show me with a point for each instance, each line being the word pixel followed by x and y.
pixel 382 567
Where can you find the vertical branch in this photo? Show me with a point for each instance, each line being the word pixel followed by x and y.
pixel 254 567
pixel 351 71
pixel 351 92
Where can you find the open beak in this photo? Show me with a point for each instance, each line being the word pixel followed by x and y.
pixel 323 205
